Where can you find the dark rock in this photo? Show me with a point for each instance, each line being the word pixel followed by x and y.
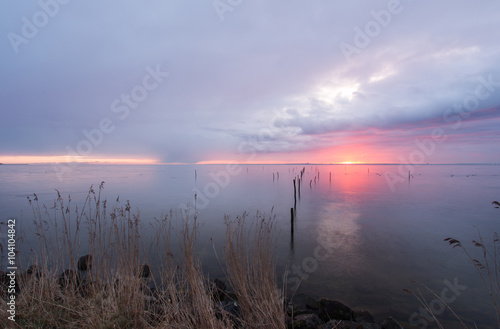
pixel 306 321
pixel 87 289
pixel 144 271
pixel 312 303
pixel 221 285
pixel 34 270
pixel 219 289
pixel 299 301
pixel 302 305
pixel 230 310
pixel 231 296
pixel 363 316
pixel 70 278
pixel 390 323
pixel 85 263
pixel 334 310
pixel 301 311
pixel 233 309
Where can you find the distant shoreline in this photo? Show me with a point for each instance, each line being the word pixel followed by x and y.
pixel 254 164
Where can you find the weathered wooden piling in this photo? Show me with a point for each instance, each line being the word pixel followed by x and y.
pixel 291 219
pixel 294 192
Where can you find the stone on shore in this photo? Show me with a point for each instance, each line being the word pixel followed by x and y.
pixel 219 289
pixel 312 303
pixel 85 263
pixel 69 278
pixel 332 309
pixel 35 271
pixel 363 316
pixel 144 271
pixel 306 321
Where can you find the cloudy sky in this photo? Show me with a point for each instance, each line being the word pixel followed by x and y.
pixel 250 81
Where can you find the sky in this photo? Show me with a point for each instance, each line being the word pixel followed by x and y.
pixel 157 81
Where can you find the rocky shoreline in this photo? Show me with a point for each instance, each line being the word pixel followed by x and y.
pixel 329 314
pixel 308 313
pixel 313 313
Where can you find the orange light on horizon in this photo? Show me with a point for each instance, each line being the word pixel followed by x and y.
pixel 222 162
pixel 38 159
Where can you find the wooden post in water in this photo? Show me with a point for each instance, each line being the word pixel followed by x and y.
pixel 291 219
pixel 409 175
pixel 294 192
pixel 299 188
pixel 330 176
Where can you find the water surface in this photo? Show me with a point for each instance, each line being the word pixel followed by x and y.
pixel 381 238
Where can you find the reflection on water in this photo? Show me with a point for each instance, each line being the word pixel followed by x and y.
pixel 380 240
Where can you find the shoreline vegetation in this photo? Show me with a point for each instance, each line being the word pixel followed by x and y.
pixel 112 285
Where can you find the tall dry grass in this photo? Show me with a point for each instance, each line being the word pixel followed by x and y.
pixel 249 255
pixel 113 292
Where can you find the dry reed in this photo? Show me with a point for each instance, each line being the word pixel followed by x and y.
pixel 113 293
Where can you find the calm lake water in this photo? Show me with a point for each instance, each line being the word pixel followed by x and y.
pixel 381 237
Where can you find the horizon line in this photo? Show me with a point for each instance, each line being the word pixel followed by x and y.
pixel 256 164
